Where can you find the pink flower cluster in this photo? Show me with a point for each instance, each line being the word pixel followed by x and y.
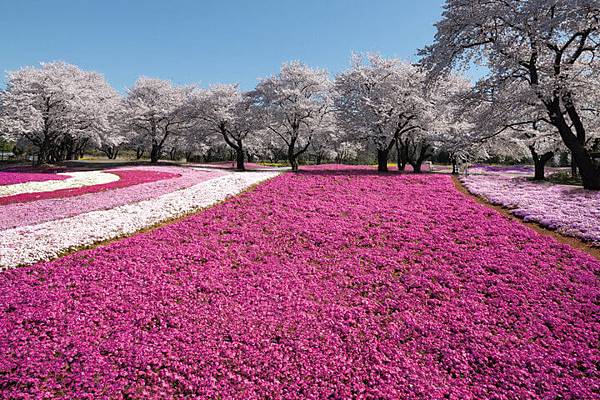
pixel 14 176
pixel 127 178
pixel 568 209
pixel 330 283
pixel 22 214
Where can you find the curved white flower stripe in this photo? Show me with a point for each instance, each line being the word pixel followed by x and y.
pixel 75 180
pixel 29 244
pixel 44 210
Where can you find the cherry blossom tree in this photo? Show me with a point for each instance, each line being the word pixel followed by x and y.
pixel 457 145
pixel 196 143
pixel 196 140
pixel 231 114
pixel 542 145
pixel 549 47
pixel 267 146
pixel 115 135
pixel 111 143
pixel 135 141
pixel 449 130
pixel 296 103
pixel 158 111
pixel 58 108
pixel 323 146
pixel 440 124
pixel 381 100
pixel 347 150
pixel 507 118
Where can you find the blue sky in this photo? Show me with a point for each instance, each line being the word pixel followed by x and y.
pixel 208 41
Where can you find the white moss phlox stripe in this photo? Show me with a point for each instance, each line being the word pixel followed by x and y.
pixel 29 244
pixel 75 180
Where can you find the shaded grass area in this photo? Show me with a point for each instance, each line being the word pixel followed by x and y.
pixel 564 178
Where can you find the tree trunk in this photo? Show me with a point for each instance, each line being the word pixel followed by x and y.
pixel 294 163
pixel 42 156
pixel 236 144
pixel 292 158
pixel 239 158
pixel 539 171
pixel 402 150
pixel 589 172
pixel 401 166
pixel 155 154
pixel 573 167
pixel 540 162
pixel 109 151
pixel 382 160
pixel 454 166
pixel 294 155
pixel 422 156
pixel 417 164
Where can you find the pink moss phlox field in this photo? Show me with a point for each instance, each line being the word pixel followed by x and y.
pixel 22 214
pixel 127 178
pixel 331 283
pixel 568 209
pixel 11 177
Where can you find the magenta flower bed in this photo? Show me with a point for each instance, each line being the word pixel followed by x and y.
pixel 11 177
pixel 127 178
pixel 330 283
pixel 22 214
